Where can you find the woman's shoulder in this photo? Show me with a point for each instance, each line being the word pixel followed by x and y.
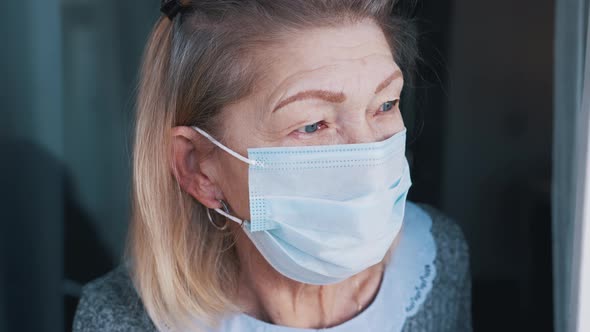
pixel 111 303
pixel 448 305
pixel 452 250
pixel 451 245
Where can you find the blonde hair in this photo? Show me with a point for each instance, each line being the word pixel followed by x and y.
pixel 209 56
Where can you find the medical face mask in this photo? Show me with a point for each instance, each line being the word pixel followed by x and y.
pixel 321 214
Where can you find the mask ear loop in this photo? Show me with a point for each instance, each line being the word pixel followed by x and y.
pixel 225 213
pixel 226 149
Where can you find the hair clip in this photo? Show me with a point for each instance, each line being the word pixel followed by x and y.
pixel 171 8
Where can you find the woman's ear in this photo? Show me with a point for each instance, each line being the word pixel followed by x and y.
pixel 189 152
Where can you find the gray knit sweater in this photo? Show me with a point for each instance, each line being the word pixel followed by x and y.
pixel 111 303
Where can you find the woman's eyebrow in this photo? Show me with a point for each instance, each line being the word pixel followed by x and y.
pixel 332 97
pixel 397 74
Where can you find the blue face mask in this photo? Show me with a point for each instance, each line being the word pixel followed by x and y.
pixel 321 214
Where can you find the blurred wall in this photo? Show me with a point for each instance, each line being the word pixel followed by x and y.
pixel 68 73
pixel 102 43
pixel 31 214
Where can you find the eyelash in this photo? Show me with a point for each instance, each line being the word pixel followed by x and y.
pixel 395 103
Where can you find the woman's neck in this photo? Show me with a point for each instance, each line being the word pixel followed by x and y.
pixel 271 297
pixel 281 301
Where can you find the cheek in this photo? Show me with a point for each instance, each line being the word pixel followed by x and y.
pixel 234 185
pixel 388 125
pixel 399 121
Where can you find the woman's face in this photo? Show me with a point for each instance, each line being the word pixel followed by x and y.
pixel 334 85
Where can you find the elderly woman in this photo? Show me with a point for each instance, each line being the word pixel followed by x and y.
pixel 270 180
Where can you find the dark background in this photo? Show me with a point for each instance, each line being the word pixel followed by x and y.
pixel 483 154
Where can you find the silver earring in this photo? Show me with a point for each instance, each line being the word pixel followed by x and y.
pixel 224 226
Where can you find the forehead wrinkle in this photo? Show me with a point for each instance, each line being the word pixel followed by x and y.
pixel 290 79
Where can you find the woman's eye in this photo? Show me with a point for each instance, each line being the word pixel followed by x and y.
pixel 389 105
pixel 311 128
